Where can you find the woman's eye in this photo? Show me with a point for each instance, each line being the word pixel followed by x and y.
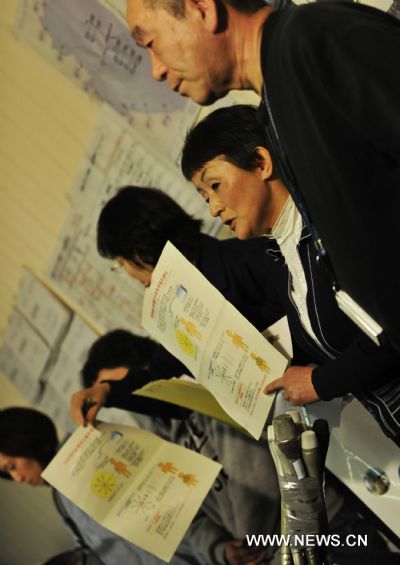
pixel 203 194
pixel 215 185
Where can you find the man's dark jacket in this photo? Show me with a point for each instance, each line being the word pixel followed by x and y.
pixel 332 86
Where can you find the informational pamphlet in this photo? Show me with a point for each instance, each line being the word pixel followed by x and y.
pixel 132 482
pixel 225 353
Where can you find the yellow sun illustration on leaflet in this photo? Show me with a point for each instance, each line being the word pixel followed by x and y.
pixel 103 484
pixel 185 343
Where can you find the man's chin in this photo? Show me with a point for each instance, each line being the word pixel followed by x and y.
pixel 203 98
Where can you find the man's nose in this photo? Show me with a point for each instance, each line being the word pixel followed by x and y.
pixel 158 69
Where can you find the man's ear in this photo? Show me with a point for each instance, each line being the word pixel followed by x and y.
pixel 207 10
pixel 265 162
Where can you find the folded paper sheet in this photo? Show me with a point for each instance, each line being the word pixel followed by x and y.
pixel 222 350
pixel 137 485
pixel 189 394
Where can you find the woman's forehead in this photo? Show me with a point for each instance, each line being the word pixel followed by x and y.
pixel 218 164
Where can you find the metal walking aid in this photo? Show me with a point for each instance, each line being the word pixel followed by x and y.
pixel 298 451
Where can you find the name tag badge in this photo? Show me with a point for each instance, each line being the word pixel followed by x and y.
pixel 363 320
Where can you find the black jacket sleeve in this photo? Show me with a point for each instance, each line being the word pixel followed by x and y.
pixel 363 364
pixel 120 396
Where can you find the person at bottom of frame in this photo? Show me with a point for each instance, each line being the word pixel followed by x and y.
pixel 226 158
pixel 28 442
pixel 245 498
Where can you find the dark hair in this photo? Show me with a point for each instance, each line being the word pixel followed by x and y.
pixel 233 133
pixel 76 556
pixel 137 223
pixel 118 348
pixel 25 432
pixel 177 7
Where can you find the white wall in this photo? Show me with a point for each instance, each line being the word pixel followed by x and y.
pixel 45 123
